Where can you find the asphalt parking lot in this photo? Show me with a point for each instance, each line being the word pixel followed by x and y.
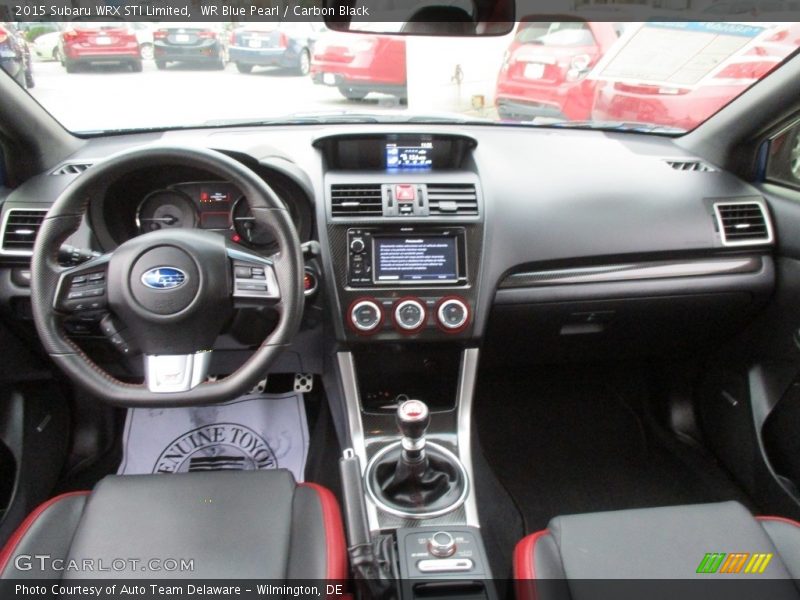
pixel 111 97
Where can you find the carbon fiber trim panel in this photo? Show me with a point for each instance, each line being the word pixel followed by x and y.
pixel 635 271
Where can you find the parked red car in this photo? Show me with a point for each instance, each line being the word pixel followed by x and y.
pixel 544 69
pixel 685 108
pixel 88 43
pixel 358 64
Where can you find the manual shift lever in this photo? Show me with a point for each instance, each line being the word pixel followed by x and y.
pixel 413 476
pixel 413 419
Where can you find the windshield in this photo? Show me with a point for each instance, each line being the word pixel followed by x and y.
pixel 660 77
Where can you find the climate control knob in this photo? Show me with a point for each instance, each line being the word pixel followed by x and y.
pixel 409 314
pixel 452 314
pixel 366 315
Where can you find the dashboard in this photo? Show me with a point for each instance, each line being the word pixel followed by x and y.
pixel 431 234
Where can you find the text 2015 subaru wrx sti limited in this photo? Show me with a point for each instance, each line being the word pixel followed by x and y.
pixel 262 338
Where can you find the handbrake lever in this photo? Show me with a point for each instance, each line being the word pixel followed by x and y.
pixel 368 568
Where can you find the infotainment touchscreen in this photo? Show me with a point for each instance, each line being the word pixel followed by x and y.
pixel 424 259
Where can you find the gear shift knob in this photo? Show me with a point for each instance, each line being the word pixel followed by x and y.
pixel 413 419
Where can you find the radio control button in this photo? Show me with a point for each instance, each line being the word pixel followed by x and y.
pixel 357 246
pixel 366 315
pixel 452 314
pixel 409 315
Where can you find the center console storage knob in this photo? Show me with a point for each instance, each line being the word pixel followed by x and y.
pixel 442 544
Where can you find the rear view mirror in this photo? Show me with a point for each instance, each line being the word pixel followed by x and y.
pixel 421 17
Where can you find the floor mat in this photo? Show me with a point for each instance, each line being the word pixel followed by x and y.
pixel 254 432
pixel 566 440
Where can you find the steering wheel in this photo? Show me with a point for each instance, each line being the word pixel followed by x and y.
pixel 173 289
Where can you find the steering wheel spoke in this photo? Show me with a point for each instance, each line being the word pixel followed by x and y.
pixel 254 281
pixel 170 373
pixel 83 288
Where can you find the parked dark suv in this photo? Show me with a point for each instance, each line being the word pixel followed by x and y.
pixel 286 45
pixel 196 43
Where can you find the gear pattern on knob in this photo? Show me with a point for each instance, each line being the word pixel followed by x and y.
pixel 412 412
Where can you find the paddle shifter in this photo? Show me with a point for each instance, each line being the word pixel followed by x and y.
pixel 413 419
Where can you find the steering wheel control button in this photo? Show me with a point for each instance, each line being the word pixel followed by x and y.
pixel 447 565
pixel 366 316
pixel 452 314
pixel 83 292
pixel 253 281
pixel 242 272
pixel 409 315
pixel 442 545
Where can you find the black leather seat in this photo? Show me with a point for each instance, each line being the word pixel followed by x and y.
pixel 659 544
pixel 231 525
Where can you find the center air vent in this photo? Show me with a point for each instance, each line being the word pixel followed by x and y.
pixel 20 229
pixel 690 165
pixel 356 200
pixel 743 223
pixel 71 168
pixel 456 199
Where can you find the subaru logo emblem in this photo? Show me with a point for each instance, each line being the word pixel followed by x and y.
pixel 164 278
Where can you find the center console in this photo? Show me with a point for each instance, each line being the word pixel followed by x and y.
pixel 404 224
pixel 404 229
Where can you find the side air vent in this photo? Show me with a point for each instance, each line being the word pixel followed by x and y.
pixel 454 199
pixel 356 200
pixel 71 168
pixel 690 165
pixel 743 223
pixel 20 229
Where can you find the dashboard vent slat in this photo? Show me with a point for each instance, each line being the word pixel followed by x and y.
pixel 20 229
pixel 452 199
pixel 71 168
pixel 356 200
pixel 690 165
pixel 743 223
